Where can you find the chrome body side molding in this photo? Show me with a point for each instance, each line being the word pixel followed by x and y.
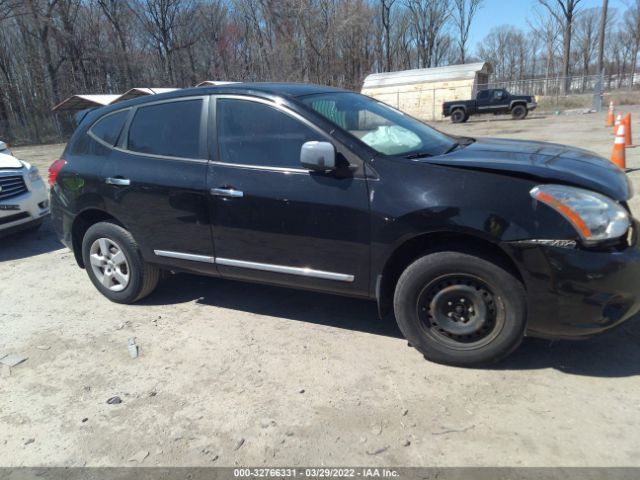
pixel 265 267
pixel 185 256
pixel 304 272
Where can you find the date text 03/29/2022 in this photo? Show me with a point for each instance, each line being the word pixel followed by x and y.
pixel 315 472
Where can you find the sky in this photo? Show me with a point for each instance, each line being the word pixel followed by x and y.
pixel 515 12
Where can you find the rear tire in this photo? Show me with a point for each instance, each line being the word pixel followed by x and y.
pixel 458 116
pixel 460 309
pixel 519 112
pixel 114 264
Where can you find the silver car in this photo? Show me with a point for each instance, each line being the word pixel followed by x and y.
pixel 24 200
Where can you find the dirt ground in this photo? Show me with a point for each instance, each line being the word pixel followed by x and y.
pixel 239 374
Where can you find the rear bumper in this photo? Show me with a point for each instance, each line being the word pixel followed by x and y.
pixel 575 293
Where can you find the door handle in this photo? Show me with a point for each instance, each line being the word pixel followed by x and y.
pixel 117 181
pixel 226 192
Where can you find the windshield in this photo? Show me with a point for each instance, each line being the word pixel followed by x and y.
pixel 380 126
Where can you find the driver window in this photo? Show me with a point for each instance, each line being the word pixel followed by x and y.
pixel 357 122
pixel 252 133
pixel 369 126
pixel 498 95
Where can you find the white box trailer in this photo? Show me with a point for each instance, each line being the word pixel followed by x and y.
pixel 421 92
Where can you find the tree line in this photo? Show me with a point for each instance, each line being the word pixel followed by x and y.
pixel 50 49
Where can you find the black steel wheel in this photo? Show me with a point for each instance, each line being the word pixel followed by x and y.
pixel 460 309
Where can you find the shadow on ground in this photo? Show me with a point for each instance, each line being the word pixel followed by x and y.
pixel 29 243
pixel 300 305
pixel 614 354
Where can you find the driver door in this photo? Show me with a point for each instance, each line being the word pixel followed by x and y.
pixel 274 221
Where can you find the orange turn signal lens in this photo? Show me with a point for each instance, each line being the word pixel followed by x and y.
pixel 566 211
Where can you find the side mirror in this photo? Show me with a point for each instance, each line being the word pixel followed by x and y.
pixel 318 156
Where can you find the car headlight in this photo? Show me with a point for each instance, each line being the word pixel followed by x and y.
pixel 34 174
pixel 594 216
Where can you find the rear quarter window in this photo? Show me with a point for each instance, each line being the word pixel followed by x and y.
pixel 170 129
pixel 108 128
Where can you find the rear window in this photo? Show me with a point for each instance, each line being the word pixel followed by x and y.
pixel 108 128
pixel 170 129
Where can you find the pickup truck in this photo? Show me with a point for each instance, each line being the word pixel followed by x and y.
pixel 496 101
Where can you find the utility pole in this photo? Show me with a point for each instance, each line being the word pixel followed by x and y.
pixel 603 26
pixel 598 94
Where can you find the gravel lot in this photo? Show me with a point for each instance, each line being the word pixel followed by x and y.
pixel 240 374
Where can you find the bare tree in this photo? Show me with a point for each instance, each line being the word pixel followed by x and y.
pixel 632 26
pixel 564 14
pixel 385 19
pixel 586 34
pixel 547 29
pixel 429 18
pixel 464 13
pixel 168 23
pixel 116 13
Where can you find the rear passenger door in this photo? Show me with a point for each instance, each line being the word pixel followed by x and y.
pixel 155 182
pixel 274 221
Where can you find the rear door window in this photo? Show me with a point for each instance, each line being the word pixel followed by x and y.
pixel 170 129
pixel 108 128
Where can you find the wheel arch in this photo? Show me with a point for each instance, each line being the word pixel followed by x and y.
pixel 515 103
pixel 458 106
pixel 411 249
pixel 81 223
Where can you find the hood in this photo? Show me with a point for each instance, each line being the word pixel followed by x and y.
pixel 7 161
pixel 548 162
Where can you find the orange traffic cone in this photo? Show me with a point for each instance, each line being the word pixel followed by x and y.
pixel 618 155
pixel 610 115
pixel 627 130
pixel 615 126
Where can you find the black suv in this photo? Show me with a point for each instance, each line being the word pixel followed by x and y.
pixel 472 243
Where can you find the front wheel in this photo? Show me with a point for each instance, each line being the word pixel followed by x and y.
pixel 519 112
pixel 114 263
pixel 460 309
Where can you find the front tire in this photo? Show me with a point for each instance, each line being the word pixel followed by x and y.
pixel 114 264
pixel 519 112
pixel 460 309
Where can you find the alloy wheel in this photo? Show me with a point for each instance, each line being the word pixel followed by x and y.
pixel 109 264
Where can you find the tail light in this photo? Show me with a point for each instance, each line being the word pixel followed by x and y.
pixel 54 170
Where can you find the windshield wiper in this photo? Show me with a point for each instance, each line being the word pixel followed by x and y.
pixel 465 142
pixel 452 148
pixel 418 155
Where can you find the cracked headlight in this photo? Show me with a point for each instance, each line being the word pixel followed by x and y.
pixel 594 216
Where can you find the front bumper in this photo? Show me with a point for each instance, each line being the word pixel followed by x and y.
pixel 24 210
pixel 578 293
pixel 532 106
